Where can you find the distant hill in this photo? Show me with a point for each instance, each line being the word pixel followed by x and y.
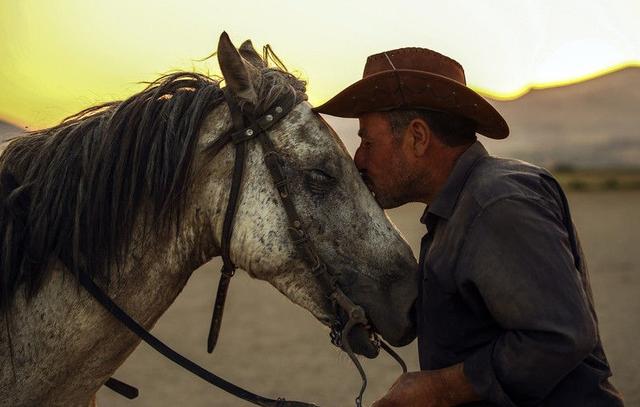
pixel 592 124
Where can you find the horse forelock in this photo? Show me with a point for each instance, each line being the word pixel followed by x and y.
pixel 75 191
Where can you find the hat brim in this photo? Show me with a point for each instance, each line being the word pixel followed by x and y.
pixel 410 89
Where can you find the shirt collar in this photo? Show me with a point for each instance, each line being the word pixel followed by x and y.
pixel 443 204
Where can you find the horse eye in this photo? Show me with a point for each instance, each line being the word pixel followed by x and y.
pixel 319 181
pixel 319 176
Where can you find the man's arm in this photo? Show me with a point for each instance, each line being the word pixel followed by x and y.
pixel 518 257
pixel 433 388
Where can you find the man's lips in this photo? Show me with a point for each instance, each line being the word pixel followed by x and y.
pixel 371 190
pixel 371 187
pixel 367 181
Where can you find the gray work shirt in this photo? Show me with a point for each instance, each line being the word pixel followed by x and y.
pixel 505 288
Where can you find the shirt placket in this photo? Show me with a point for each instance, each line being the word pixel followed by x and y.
pixel 425 244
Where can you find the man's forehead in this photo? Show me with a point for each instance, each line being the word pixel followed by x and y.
pixel 372 123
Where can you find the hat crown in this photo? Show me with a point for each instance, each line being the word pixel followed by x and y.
pixel 415 59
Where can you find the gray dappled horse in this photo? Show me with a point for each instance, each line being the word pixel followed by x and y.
pixel 128 192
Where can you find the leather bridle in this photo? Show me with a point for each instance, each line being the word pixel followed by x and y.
pixel 246 128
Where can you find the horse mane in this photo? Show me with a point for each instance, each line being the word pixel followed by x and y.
pixel 74 192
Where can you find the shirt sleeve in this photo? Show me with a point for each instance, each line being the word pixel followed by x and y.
pixel 517 256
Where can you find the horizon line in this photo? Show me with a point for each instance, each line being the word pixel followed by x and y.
pixel 524 90
pixel 489 94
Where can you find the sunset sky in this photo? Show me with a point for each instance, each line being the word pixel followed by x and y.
pixel 58 57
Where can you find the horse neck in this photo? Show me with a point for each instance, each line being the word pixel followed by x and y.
pixel 63 317
pixel 150 278
pixel 197 237
pixel 163 267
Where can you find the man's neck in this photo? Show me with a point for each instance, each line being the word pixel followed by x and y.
pixel 438 169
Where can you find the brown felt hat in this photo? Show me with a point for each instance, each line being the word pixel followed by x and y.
pixel 416 78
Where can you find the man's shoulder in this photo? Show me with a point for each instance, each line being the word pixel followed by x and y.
pixel 494 179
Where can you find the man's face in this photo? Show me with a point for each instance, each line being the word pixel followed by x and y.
pixel 382 159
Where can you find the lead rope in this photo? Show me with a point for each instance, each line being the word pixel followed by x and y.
pixel 340 338
pixel 169 353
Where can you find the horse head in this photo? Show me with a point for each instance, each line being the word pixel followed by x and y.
pixel 352 235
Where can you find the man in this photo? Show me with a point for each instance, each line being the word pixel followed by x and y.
pixel 505 313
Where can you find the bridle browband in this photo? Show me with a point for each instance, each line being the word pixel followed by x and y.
pixel 246 128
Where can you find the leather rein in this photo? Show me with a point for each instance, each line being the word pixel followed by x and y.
pixel 246 128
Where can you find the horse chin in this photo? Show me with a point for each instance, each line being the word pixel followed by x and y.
pixel 363 342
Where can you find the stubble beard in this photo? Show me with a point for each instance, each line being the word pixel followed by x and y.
pixel 406 188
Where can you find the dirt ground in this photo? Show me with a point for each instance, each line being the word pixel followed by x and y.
pixel 277 349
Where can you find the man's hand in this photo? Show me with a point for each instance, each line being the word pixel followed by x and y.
pixel 413 389
pixel 433 388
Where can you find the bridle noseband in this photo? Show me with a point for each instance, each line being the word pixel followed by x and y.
pixel 246 128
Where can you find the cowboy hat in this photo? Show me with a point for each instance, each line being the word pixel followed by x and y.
pixel 416 78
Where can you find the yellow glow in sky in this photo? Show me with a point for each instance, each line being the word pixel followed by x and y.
pixel 58 57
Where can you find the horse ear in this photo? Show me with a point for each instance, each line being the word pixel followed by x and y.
pixel 241 77
pixel 249 53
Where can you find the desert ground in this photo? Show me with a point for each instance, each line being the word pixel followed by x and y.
pixel 277 349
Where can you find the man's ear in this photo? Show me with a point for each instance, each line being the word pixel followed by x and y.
pixel 420 136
